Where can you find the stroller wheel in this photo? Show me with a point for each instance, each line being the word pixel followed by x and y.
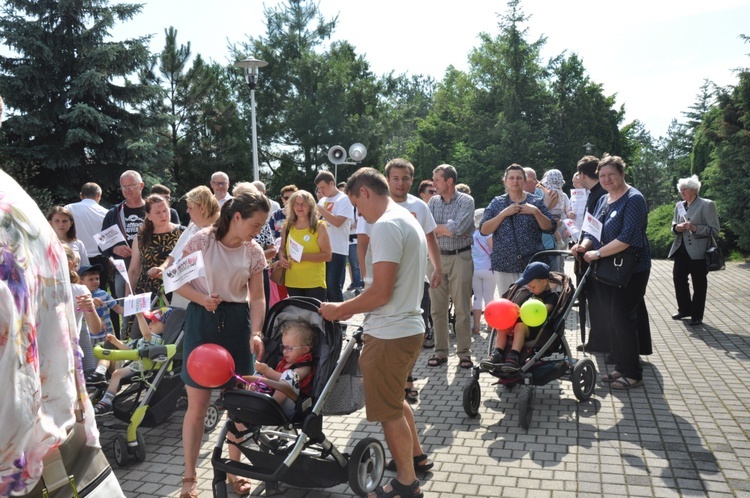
pixel 584 379
pixel 526 407
pixel 213 414
pixel 472 397
pixel 139 451
pixel 120 448
pixel 366 466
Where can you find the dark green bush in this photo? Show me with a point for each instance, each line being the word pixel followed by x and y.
pixel 659 230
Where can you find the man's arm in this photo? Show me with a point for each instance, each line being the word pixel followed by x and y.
pixel 332 219
pixel 433 252
pixel 384 275
pixel 363 241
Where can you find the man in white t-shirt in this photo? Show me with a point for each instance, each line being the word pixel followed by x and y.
pixel 336 209
pixel 88 216
pixel 393 328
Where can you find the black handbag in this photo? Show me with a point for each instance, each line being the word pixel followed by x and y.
pixel 714 257
pixel 615 270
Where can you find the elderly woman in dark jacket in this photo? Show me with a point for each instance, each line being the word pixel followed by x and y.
pixel 695 220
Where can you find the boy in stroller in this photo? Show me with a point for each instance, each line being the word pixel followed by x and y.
pixel 152 335
pixel 294 372
pixel 536 278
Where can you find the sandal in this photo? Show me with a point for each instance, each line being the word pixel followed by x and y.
pixel 610 377
pixel 475 330
pixel 421 464
pixel 411 395
pixel 193 493
pixel 436 361
pixel 465 362
pixel 623 383
pixel 400 490
pixel 241 485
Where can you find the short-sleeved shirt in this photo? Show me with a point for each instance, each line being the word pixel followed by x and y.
pixel 397 238
pixel 458 216
pixel 339 205
pixel 156 340
pixel 626 220
pixel 228 269
pixel 133 220
pixel 103 313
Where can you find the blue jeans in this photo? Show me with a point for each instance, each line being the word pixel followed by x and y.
pixel 335 273
pixel 354 265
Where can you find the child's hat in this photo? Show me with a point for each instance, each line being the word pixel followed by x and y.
pixel 553 179
pixel 160 314
pixel 84 268
pixel 535 270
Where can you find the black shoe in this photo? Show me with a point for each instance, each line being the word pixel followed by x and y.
pixel 695 322
pixel 581 347
pixel 494 362
pixel 680 316
pixel 429 340
pixel 511 364
pixel 95 378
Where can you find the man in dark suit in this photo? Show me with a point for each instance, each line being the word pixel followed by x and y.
pixel 695 221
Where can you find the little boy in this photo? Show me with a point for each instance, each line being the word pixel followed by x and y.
pixel 152 335
pixel 536 278
pixel 293 374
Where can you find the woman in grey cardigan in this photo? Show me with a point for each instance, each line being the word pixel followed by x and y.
pixel 695 219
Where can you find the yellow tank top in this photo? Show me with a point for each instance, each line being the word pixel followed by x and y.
pixel 305 274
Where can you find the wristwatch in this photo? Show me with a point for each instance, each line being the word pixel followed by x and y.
pixel 598 255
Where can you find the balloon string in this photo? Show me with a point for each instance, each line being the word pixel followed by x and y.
pixel 241 379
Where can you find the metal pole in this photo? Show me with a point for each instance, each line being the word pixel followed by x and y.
pixel 256 176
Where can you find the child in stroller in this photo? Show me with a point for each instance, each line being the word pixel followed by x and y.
pixel 536 278
pixel 152 334
pixel 294 372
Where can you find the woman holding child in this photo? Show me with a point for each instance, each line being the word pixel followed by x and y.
pixel 227 307
pixel 624 215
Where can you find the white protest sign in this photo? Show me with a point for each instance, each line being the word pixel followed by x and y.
pixel 592 226
pixel 572 227
pixel 183 271
pixel 295 250
pixel 120 267
pixel 109 237
pixel 578 198
pixel 136 304
pixel 277 243
pixel 681 211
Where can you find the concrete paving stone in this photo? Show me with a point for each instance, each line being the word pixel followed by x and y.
pixel 640 491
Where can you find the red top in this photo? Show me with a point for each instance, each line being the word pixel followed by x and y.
pixel 304 384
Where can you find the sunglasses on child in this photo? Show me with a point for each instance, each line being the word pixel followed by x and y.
pixel 289 349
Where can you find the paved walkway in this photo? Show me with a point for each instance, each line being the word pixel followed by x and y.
pixel 684 434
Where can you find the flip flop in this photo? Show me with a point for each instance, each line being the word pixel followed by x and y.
pixel 623 383
pixel 611 377
pixel 436 361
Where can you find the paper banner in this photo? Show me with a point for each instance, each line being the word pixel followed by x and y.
pixel 109 237
pixel 183 271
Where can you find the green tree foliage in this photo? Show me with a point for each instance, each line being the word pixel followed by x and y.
pixel 659 230
pixel 727 177
pixel 308 98
pixel 67 89
pixel 646 171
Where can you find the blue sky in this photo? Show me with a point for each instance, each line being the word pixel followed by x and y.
pixel 653 54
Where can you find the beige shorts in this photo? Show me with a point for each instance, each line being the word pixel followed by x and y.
pixel 385 365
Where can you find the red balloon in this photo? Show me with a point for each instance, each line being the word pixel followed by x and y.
pixel 501 314
pixel 210 365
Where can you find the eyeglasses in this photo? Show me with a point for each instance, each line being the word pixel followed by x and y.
pixel 130 187
pixel 219 184
pixel 289 349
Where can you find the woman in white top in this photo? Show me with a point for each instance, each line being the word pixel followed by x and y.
pixel 63 224
pixel 483 283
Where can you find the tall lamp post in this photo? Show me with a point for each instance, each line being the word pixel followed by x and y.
pixel 251 65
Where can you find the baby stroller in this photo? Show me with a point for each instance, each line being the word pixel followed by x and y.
pixel 545 357
pixel 294 450
pixel 150 397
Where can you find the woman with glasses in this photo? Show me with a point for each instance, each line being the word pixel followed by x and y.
pixel 305 248
pixel 279 217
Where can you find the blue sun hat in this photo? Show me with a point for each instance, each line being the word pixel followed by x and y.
pixel 553 179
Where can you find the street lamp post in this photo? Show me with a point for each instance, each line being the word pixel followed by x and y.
pixel 251 65
pixel 588 147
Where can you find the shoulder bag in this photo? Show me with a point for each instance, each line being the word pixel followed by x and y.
pixel 714 257
pixel 615 270
pixel 278 272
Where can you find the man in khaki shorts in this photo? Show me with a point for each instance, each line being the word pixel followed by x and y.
pixel 393 327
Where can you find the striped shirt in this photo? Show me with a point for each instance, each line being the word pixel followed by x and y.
pixel 458 215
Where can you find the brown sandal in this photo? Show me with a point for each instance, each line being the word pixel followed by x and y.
pixel 192 493
pixel 241 485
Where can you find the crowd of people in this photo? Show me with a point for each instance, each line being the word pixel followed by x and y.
pixel 413 260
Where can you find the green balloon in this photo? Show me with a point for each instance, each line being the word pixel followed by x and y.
pixel 533 313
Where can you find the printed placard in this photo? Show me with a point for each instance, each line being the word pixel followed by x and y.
pixel 572 228
pixel 120 267
pixel 578 198
pixel 295 250
pixel 183 271
pixel 136 304
pixel 109 237
pixel 681 211
pixel 592 226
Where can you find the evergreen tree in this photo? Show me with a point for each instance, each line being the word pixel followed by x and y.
pixel 67 88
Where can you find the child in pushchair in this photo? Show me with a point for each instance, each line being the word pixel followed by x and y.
pixel 290 446
pixel 293 374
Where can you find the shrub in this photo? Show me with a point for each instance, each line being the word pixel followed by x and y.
pixel 659 230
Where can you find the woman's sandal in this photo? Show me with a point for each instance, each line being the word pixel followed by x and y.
pixel 400 490
pixel 623 383
pixel 241 485
pixel 421 464
pixel 475 330
pixel 193 493
pixel 611 377
pixel 436 361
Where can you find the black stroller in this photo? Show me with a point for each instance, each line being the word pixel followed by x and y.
pixel 151 396
pixel 545 357
pixel 294 450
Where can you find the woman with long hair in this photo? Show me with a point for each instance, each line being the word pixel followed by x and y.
pixel 306 277
pixel 227 308
pixel 62 222
pixel 151 247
